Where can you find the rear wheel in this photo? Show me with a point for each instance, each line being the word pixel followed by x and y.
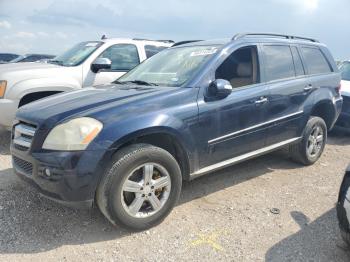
pixel 141 187
pixel 312 144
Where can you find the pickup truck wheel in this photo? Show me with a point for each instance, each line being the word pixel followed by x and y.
pixel 312 144
pixel 140 188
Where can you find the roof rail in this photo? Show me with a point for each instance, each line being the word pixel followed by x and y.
pixel 238 36
pixel 143 39
pixel 185 42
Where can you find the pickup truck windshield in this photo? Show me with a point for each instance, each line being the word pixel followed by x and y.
pixel 171 67
pixel 345 71
pixel 77 54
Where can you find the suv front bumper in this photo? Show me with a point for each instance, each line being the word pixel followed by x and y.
pixel 70 178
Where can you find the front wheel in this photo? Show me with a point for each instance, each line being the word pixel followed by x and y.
pixel 141 187
pixel 312 144
pixel 343 208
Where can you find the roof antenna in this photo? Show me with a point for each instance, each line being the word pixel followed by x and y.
pixel 103 37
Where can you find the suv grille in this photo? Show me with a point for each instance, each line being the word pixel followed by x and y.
pixel 23 136
pixel 22 165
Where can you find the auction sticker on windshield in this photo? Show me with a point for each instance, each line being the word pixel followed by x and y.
pixel 204 52
pixel 91 44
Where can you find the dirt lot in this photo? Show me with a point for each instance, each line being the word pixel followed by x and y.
pixel 224 216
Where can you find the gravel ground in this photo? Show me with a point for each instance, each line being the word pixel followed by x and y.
pixel 225 216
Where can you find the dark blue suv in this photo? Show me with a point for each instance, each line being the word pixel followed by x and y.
pixel 187 111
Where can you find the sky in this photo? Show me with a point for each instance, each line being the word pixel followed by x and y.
pixel 52 26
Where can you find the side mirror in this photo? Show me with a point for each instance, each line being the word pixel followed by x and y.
pixel 220 88
pixel 101 63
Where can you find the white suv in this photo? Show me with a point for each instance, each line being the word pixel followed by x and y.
pixel 86 64
pixel 344 118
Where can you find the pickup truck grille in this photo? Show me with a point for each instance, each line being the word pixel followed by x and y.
pixel 23 136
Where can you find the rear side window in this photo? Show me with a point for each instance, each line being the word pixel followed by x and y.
pixel 151 50
pixel 315 61
pixel 299 69
pixel 278 62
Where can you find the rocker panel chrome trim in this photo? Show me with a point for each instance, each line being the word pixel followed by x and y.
pixel 241 158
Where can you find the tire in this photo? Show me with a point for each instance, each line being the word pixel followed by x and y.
pixel 343 209
pixel 299 152
pixel 124 186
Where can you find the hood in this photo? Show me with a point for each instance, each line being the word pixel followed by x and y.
pixel 86 102
pixel 10 67
pixel 345 88
pixel 16 72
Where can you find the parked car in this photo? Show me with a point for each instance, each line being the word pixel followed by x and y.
pixel 343 207
pixel 7 57
pixel 31 58
pixel 86 64
pixel 185 112
pixel 344 118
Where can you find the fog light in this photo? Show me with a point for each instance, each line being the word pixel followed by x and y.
pixel 47 172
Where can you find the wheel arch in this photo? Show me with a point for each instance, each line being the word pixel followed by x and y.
pixel 325 110
pixel 165 138
pixel 31 97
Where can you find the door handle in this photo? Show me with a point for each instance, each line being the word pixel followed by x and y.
pixel 308 88
pixel 262 100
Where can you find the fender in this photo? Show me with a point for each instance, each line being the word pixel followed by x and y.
pixel 114 136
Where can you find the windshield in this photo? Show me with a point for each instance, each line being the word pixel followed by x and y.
pixel 77 54
pixel 345 71
pixel 171 67
pixel 18 59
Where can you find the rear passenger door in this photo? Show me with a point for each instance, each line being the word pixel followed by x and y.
pixel 288 90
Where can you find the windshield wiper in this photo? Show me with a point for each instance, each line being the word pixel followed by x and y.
pixel 137 82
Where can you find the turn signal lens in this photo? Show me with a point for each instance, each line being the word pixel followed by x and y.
pixel 3 85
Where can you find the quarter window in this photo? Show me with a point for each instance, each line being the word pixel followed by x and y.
pixel 124 57
pixel 278 62
pixel 151 50
pixel 315 61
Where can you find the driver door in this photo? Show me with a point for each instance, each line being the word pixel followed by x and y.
pixel 124 57
pixel 234 125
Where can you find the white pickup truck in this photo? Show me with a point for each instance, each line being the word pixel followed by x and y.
pixel 86 64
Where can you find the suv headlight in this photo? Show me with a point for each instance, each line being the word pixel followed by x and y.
pixel 3 84
pixel 73 135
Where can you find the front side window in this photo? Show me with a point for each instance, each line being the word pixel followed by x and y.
pixel 78 54
pixel 345 71
pixel 315 61
pixel 151 50
pixel 279 62
pixel 171 67
pixel 240 68
pixel 124 57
